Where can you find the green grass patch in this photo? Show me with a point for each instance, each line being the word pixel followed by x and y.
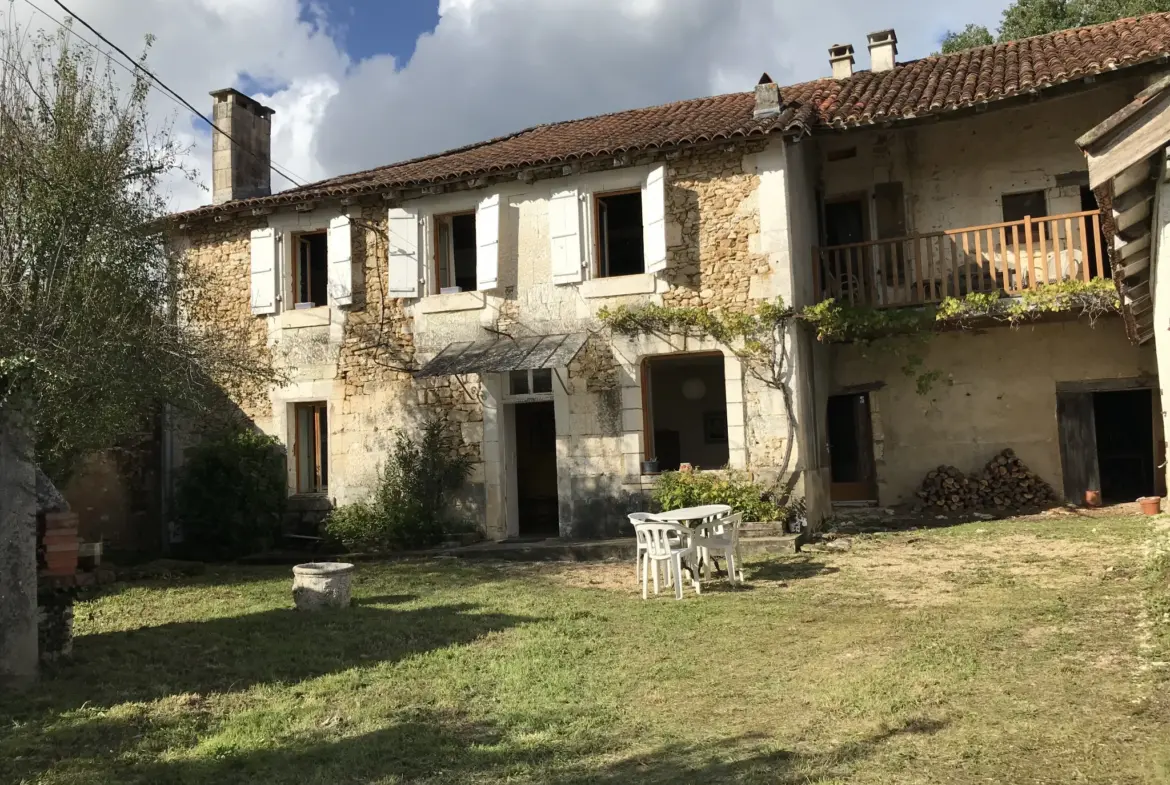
pixel 1001 651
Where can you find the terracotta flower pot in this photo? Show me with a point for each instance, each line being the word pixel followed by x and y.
pixel 1092 498
pixel 1151 505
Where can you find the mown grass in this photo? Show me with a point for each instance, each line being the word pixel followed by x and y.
pixel 998 652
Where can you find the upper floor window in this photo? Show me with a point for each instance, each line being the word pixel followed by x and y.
pixel 1017 207
pixel 619 233
pixel 311 269
pixel 455 252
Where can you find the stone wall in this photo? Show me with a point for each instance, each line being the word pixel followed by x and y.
pixel 997 389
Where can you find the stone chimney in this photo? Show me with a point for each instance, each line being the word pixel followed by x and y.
pixel 841 59
pixel 767 98
pixel 883 50
pixel 240 165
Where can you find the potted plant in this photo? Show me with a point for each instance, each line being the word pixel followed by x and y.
pixel 650 466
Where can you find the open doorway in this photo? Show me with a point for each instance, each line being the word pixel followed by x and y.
pixel 1110 441
pixel 536 469
pixel 853 472
pixel 1125 444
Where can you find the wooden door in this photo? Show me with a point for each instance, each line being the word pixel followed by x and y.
pixel 1078 444
pixel 846 223
pixel 852 467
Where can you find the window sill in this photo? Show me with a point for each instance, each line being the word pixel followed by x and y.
pixel 446 303
pixel 619 286
pixel 306 317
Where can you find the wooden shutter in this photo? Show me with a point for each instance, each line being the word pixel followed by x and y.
pixel 403 227
pixel 654 220
pixel 487 241
pixel 1077 425
pixel 264 271
pixel 564 229
pixel 340 261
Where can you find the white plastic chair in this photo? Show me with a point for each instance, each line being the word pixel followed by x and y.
pixel 722 535
pixel 668 543
pixel 643 544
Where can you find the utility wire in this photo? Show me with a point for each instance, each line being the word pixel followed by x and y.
pixel 161 86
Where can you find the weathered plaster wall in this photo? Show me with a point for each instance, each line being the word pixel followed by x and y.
pixel 955 172
pixel 998 389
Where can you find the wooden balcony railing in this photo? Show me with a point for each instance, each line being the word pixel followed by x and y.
pixel 1004 258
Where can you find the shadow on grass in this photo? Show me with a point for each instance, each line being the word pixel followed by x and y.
pixel 790 569
pixel 434 746
pixel 237 652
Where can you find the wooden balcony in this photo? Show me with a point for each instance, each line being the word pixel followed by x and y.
pixel 1004 258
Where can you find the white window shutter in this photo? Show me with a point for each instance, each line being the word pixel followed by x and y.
pixel 564 231
pixel 405 271
pixel 263 271
pixel 654 220
pixel 340 261
pixel 487 241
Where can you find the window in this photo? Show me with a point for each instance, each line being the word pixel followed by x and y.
pixel 620 248
pixel 311 271
pixel 455 252
pixel 1017 207
pixel 311 447
pixel 532 382
pixel 686 411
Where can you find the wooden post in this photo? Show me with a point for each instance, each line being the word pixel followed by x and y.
pixel 919 252
pixel 1043 226
pixel 1070 246
pixel 818 292
pixel 1003 248
pixel 978 260
pixel 1097 242
pixel 1028 249
pixel 1083 264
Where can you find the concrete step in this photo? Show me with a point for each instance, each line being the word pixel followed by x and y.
pixel 754 530
pixel 599 550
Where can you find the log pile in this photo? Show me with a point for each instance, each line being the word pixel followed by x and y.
pixel 1005 484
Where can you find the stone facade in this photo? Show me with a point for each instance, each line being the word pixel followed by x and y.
pixel 741 220
pixel 360 358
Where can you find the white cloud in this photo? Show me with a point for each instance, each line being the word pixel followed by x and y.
pixel 490 66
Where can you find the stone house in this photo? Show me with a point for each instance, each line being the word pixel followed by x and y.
pixel 468 285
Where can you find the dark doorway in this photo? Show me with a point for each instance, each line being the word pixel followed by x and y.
pixel 846 223
pixel 1110 441
pixel 536 470
pixel 854 476
pixel 1125 444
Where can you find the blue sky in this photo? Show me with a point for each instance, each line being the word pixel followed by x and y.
pixel 370 27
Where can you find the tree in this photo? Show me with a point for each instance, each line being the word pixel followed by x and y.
pixel 92 334
pixel 969 37
pixel 1025 18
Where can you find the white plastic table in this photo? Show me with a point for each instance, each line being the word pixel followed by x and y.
pixel 689 516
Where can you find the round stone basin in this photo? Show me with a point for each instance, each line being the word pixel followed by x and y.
pixel 318 585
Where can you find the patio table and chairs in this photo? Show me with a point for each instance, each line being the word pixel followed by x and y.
pixel 687 539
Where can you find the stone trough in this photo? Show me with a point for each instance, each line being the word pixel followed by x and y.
pixel 320 585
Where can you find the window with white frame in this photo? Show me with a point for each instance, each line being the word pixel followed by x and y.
pixel 527 383
pixel 608 232
pixel 455 252
pixel 311 446
pixel 618 233
pixel 317 267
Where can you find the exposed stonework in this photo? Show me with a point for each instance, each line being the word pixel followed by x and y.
pixel 714 202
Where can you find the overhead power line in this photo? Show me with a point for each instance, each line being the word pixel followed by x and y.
pixel 159 84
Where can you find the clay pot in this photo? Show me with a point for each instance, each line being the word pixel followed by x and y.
pixel 1151 505
pixel 1092 498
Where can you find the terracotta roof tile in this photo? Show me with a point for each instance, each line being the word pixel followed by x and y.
pixel 928 86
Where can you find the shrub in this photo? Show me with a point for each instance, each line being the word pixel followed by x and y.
pixel 675 490
pixel 409 507
pixel 231 495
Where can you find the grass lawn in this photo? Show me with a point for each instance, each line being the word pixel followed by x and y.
pixel 1006 652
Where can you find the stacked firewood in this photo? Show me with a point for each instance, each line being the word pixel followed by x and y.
pixel 1005 484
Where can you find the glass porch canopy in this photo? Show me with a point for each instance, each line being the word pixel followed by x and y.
pixel 500 355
